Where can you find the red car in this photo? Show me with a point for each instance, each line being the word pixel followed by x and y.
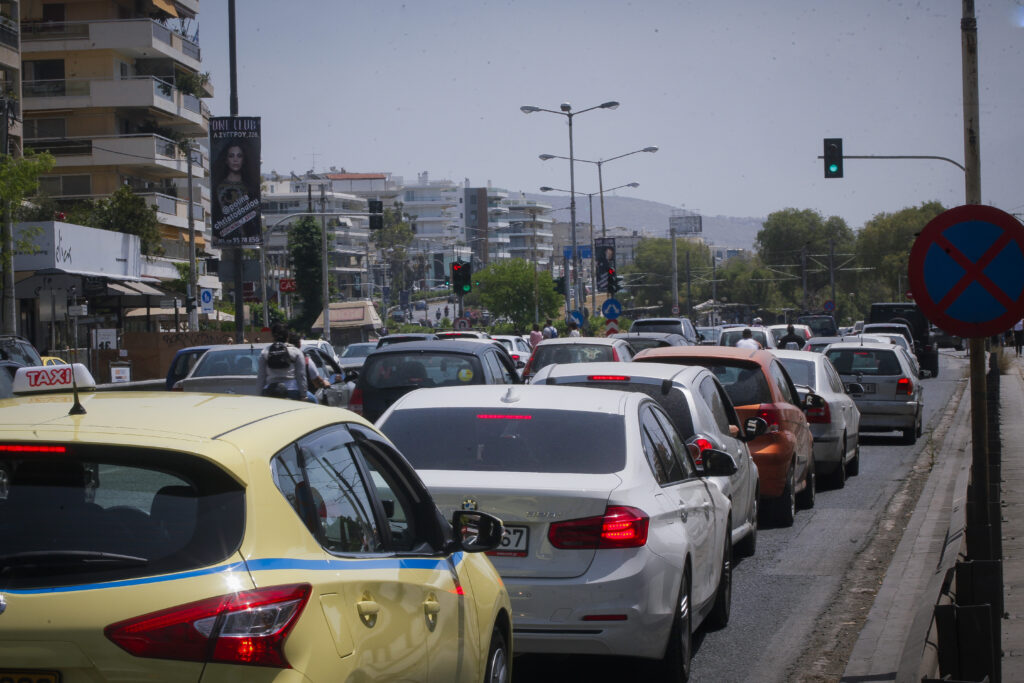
pixel 760 387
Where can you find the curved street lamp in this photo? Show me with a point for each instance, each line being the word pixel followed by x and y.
pixel 565 109
pixel 600 179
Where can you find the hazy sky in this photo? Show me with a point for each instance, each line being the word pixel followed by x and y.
pixel 738 95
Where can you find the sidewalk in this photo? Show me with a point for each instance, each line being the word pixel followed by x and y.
pixel 896 640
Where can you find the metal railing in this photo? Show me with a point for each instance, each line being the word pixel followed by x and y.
pixel 62 30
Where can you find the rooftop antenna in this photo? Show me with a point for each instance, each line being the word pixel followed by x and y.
pixel 77 408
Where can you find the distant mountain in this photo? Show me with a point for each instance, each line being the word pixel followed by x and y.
pixel 641 214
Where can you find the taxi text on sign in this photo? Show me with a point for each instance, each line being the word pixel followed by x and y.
pixel 966 271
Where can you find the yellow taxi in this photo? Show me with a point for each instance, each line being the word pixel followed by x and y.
pixel 186 536
pixel 53 360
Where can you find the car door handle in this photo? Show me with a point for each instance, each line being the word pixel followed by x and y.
pixel 431 608
pixel 368 610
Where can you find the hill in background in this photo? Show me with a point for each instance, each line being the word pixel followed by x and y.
pixel 642 214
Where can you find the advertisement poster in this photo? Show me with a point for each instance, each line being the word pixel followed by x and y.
pixel 235 181
pixel 605 247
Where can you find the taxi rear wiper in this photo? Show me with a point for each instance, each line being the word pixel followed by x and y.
pixel 69 558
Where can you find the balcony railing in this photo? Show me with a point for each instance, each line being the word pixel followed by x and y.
pixel 55 88
pixel 8 33
pixel 65 30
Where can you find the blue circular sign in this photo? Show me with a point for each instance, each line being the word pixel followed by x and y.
pixel 577 318
pixel 966 271
pixel 611 309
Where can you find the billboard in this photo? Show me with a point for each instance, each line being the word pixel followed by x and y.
pixel 235 181
pixel 687 224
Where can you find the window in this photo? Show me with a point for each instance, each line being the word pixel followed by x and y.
pixel 45 128
pixel 679 451
pixel 709 392
pixel 660 448
pixel 321 479
pixel 501 373
pixel 782 381
pixel 64 185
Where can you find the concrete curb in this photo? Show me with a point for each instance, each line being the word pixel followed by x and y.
pixel 891 644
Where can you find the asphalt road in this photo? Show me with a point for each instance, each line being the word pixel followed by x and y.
pixel 780 593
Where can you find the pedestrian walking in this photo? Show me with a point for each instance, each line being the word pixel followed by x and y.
pixel 791 340
pixel 574 329
pixel 747 340
pixel 535 336
pixel 1018 335
pixel 549 330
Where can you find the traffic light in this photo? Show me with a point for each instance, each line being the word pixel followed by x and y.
pixel 376 210
pixel 462 274
pixel 613 281
pixel 559 285
pixel 833 157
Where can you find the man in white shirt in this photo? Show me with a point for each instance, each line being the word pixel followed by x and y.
pixel 747 341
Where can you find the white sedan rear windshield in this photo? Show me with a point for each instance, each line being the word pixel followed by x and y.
pixel 503 440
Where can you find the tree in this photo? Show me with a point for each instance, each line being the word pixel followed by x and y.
pixel 648 280
pixel 507 290
pixel 126 212
pixel 393 241
pixel 884 246
pixel 19 178
pixel 304 247
pixel 791 238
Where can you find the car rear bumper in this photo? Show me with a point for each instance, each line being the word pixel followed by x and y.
pixel 549 613
pixel 883 415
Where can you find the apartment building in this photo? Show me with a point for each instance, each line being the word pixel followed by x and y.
pixel 10 77
pixel 530 230
pixel 113 88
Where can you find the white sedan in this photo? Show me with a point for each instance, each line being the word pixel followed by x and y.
pixel 835 424
pixel 615 544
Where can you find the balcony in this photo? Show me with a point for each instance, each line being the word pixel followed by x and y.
pixel 141 91
pixel 154 153
pixel 173 211
pixel 8 33
pixel 137 37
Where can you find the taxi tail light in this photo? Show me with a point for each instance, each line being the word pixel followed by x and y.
pixel 771 415
pixel 249 627
pixel 904 386
pixel 355 401
pixel 819 415
pixel 615 355
pixel 702 445
pixel 618 527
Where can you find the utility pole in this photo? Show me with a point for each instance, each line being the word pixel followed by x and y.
pixel 689 302
pixel 675 270
pixel 192 295
pixel 832 272
pixel 323 264
pixel 803 274
pixel 10 313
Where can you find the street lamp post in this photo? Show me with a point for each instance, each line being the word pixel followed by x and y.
pixel 590 200
pixel 565 109
pixel 600 178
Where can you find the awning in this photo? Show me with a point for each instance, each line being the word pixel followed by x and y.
pixel 350 314
pixel 132 289
pixel 165 6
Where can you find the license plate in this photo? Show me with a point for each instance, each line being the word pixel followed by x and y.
pixel 29 676
pixel 868 388
pixel 514 542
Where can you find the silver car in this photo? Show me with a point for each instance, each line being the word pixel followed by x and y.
pixel 576 350
pixel 884 385
pixel 615 543
pixel 835 424
pixel 701 412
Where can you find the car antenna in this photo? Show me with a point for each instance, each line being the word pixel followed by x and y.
pixel 77 408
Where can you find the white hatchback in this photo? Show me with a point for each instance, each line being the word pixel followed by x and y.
pixel 615 544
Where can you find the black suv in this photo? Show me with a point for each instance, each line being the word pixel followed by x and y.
pixel 909 314
pixel 681 326
pixel 822 325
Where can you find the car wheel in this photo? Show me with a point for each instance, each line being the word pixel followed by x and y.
pixel 839 476
pixel 805 499
pixel 719 615
pixel 785 505
pixel 920 426
pixel 497 659
pixel 853 467
pixel 910 435
pixel 747 545
pixel 675 665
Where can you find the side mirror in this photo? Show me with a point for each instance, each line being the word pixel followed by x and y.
pixel 813 401
pixel 351 375
pixel 718 463
pixel 854 388
pixel 754 427
pixel 476 531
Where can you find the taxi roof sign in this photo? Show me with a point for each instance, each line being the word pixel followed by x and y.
pixel 51 378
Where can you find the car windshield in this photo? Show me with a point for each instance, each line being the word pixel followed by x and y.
pixel 865 361
pixel 641 343
pixel 800 371
pixel 549 354
pixel 85 514
pixel 358 350
pixel 821 325
pixel 417 369
pixel 744 382
pixel 508 440
pixel 20 352
pixel 731 336
pixel 241 361
pixel 673 326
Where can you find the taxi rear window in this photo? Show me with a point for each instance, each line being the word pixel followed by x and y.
pixel 499 440
pixel 393 370
pixel 79 514
pixel 571 353
pixel 243 361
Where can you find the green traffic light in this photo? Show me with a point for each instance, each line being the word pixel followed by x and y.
pixel 465 288
pixel 832 168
